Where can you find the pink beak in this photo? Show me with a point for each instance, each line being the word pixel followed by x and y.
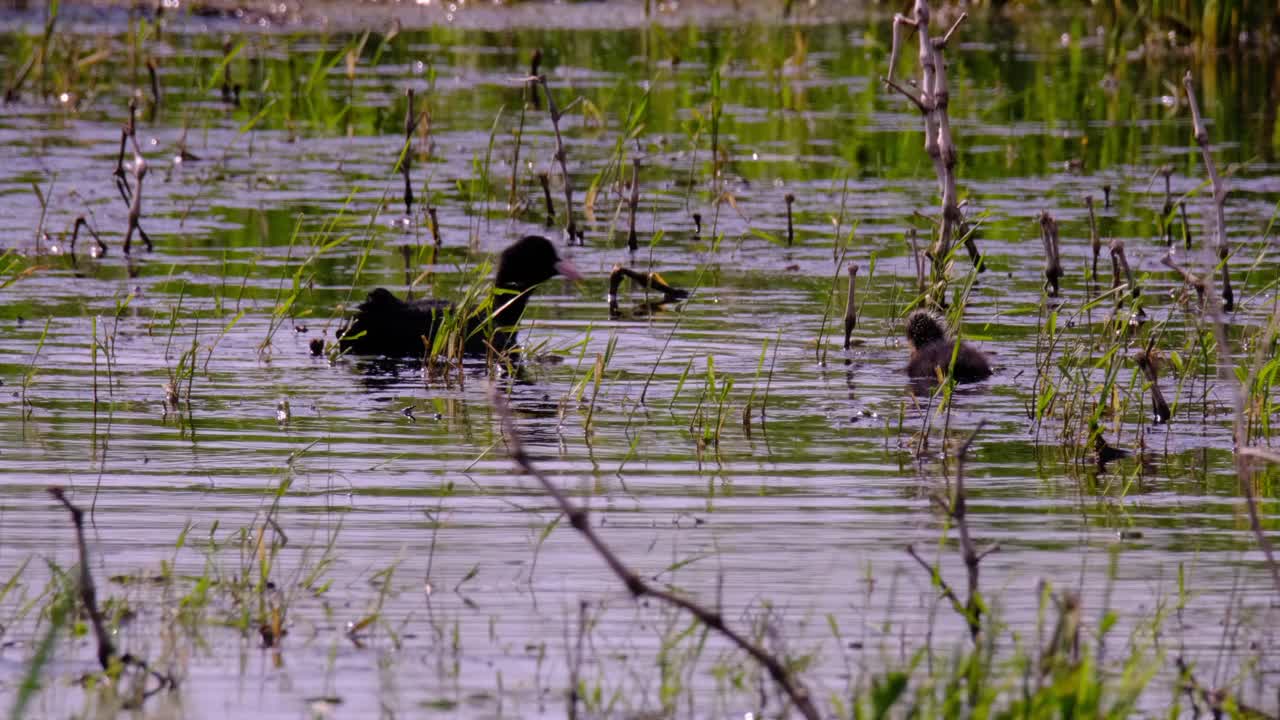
pixel 568 270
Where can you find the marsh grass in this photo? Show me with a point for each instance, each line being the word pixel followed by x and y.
pixel 253 577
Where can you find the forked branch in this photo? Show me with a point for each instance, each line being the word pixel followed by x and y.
pixel 932 100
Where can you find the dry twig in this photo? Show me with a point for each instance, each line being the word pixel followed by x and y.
pixel 1219 700
pixel 1052 263
pixel 88 593
pixel 100 248
pixel 1147 364
pixel 635 584
pixel 971 609
pixel 1187 277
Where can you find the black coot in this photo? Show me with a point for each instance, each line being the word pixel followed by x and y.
pixel 386 325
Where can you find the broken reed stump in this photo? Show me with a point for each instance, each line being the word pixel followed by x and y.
pixel 535 65
pixel 1120 267
pixel 850 308
pixel 1219 193
pixel 1095 240
pixel 545 180
pixel 633 241
pixel 1186 226
pixel 435 228
pixel 918 256
pixel 1052 261
pixel 791 228
pixel 127 131
pixel 100 248
pixel 135 207
pixel 932 100
pixel 1166 210
pixel 1147 363
pixel 580 519
pixel 155 86
pixel 87 592
pixel 132 197
pixel 411 119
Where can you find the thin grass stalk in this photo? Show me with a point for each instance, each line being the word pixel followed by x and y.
pixel 1219 193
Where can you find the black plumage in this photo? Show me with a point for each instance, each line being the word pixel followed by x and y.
pixel 386 325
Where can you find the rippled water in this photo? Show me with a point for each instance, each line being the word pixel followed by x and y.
pixel 800 517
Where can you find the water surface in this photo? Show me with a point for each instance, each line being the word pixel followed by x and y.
pixel 796 521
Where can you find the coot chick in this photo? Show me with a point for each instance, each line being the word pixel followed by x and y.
pixel 931 351
pixel 387 325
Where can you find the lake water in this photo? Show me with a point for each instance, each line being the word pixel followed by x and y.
pixel 418 571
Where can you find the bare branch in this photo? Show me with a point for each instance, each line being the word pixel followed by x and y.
pixel 905 93
pixel 88 593
pixel 959 511
pixel 900 21
pixel 135 207
pixel 1187 276
pixel 971 609
pixel 1147 364
pixel 938 580
pixel 932 102
pixel 636 585
pixel 942 44
pixel 1261 453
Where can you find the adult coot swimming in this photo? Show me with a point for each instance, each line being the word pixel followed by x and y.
pixel 386 325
